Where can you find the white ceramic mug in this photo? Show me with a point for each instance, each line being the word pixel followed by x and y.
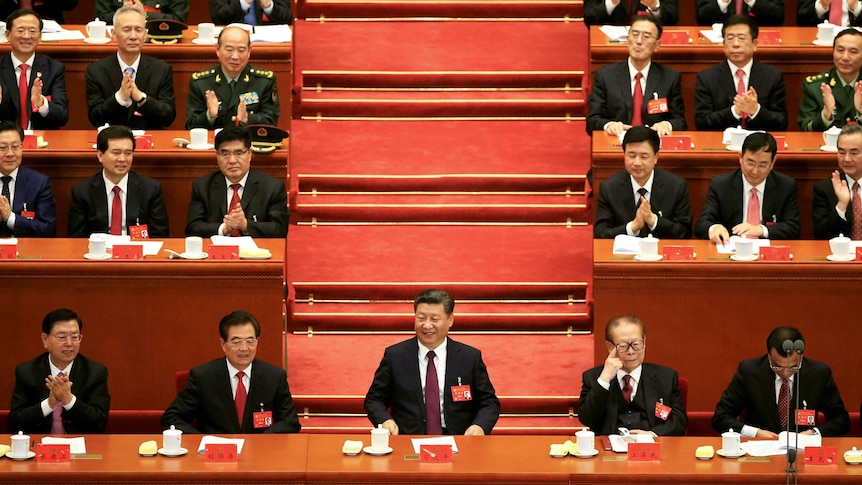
pixel 830 137
pixel 194 245
pixel 586 440
pixel 20 444
pixel 744 248
pixel 840 246
pixel 825 32
pixel 198 136
pixel 98 244
pixel 206 31
pixel 737 137
pixel 172 440
pixel 97 29
pixel 731 441
pixel 649 247
pixel 379 438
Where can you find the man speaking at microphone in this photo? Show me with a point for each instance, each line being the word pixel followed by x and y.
pixel 763 386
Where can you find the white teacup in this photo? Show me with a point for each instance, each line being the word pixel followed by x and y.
pixel 97 29
pixel 98 244
pixel 206 31
pixel 586 440
pixel 194 245
pixel 825 32
pixel 379 438
pixel 731 442
pixel 744 248
pixel 737 137
pixel 172 440
pixel 20 444
pixel 840 246
pixel 830 137
pixel 648 247
pixel 198 136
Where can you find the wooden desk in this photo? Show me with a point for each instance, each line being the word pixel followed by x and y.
pixel 144 320
pixel 802 159
pixel 184 57
pixel 704 316
pixel 71 158
pixel 796 56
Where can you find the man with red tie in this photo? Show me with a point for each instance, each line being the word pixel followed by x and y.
pixel 764 12
pixel 620 12
pixel 637 91
pixel 847 13
pixel 32 85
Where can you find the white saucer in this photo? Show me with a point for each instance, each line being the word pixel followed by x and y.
pixel 30 454
pixel 822 42
pixel 180 452
pixel 91 40
pixel 725 454
pixel 205 41
pixel 97 258
pixel 657 257
pixel 732 148
pixel 835 257
pixel 377 451
pixel 558 456
pixel 205 146
pixel 194 256
pixel 586 455
pixel 827 148
pixel 753 257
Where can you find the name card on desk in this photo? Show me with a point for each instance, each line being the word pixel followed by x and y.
pixel 644 451
pixel 775 253
pixel 859 254
pixel 223 252
pixel 675 37
pixel 52 453
pixel 677 253
pixel 144 142
pixel 781 143
pixel 127 251
pixel 8 251
pixel 821 455
pixel 220 452
pixel 769 37
pixel 435 454
pixel 676 142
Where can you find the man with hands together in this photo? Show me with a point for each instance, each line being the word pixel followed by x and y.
pixel 834 97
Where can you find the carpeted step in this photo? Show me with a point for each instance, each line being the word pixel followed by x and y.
pixel 498 9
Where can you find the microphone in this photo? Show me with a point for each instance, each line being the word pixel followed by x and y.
pixel 798 347
pixel 787 346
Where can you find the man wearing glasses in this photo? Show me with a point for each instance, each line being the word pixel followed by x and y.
pixel 27 205
pixel 763 386
pixel 60 391
pixel 237 394
pixel 236 201
pixel 626 392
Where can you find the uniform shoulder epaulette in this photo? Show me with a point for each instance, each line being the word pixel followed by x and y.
pixel 817 77
pixel 261 72
pixel 204 74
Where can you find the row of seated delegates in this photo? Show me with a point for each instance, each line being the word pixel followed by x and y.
pixel 646 398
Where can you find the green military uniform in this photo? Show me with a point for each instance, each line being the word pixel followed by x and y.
pixel 254 86
pixel 811 105
pixel 156 9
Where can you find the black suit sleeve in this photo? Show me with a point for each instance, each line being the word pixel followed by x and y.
pixel 677 422
pixel 593 403
pixel 597 117
pixel 676 104
pixel 764 12
pixel 485 400
pixel 45 222
pixel 197 223
pixel 157 222
pixel 90 412
pixel 58 105
pixel 608 224
pixel 710 213
pixel 78 213
pixel 837 419
pixel 181 413
pixel 274 222
pixel 379 395
pixel 160 106
pixel 827 222
pixel 786 225
pixel 733 400
pixel 284 417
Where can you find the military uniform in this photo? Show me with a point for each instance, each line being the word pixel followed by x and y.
pixel 156 9
pixel 811 105
pixel 254 85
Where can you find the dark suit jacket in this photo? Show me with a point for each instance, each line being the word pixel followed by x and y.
pixel 259 83
pixel 47 9
pixel 595 12
pixel 779 210
pixel 764 12
pixel 224 12
pixel 827 223
pixel 53 88
pixel 751 396
pixel 168 9
pixel 598 408
pixel 208 399
pixel 153 77
pixel 34 189
pixel 264 201
pixel 89 385
pixel 144 205
pixel 715 89
pixel 397 389
pixel 806 15
pixel 669 201
pixel 611 96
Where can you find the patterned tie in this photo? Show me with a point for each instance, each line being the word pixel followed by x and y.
pixel 753 217
pixel 234 202
pixel 57 418
pixel 783 402
pixel 627 388
pixel 116 213
pixel 23 96
pixel 835 16
pixel 239 399
pixel 433 423
pixel 638 101
pixel 738 7
pixel 740 89
pixel 856 235
pixel 5 191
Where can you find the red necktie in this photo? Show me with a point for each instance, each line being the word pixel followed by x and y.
pixel 638 101
pixel 433 424
pixel 857 213
pixel 740 90
pixel 234 202
pixel 627 388
pixel 783 402
pixel 738 7
pixel 835 12
pixel 22 94
pixel 753 217
pixel 57 417
pixel 239 399
pixel 116 213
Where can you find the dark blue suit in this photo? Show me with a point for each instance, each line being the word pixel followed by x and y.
pixel 33 189
pixel 53 76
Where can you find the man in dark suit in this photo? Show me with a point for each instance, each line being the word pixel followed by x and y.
pixel 753 200
pixel 757 396
pixel 234 200
pixel 662 210
pixel 237 394
pixel 613 91
pixel 718 103
pixel 832 208
pixel 252 12
pixel 617 12
pixel 47 9
pixel 764 12
pixel 813 12
pixel 626 391
pixel 139 198
pixel 60 391
pixel 129 88
pixel 46 107
pixel 151 9
pixel 834 97
pixel 463 399
pixel 27 205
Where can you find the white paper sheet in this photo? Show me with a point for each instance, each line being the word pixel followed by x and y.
pixel 77 446
pixel 244 242
pixel 615 33
pixel 621 445
pixel 272 33
pixel 779 446
pixel 624 244
pixel 442 440
pixel 218 440
pixel 64 35
pixel 730 246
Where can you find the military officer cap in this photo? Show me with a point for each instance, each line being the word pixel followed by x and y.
pixel 266 138
pixel 165 31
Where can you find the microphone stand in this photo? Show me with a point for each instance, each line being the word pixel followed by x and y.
pixel 798 347
pixel 787 346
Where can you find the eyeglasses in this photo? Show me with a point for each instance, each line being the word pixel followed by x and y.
pixel 792 368
pixel 645 36
pixel 733 38
pixel 23 30
pixel 623 347
pixel 14 147
pixel 238 342
pixel 234 153
pixel 63 338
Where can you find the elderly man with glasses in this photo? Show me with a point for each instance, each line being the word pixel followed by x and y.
pixel 762 388
pixel 627 392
